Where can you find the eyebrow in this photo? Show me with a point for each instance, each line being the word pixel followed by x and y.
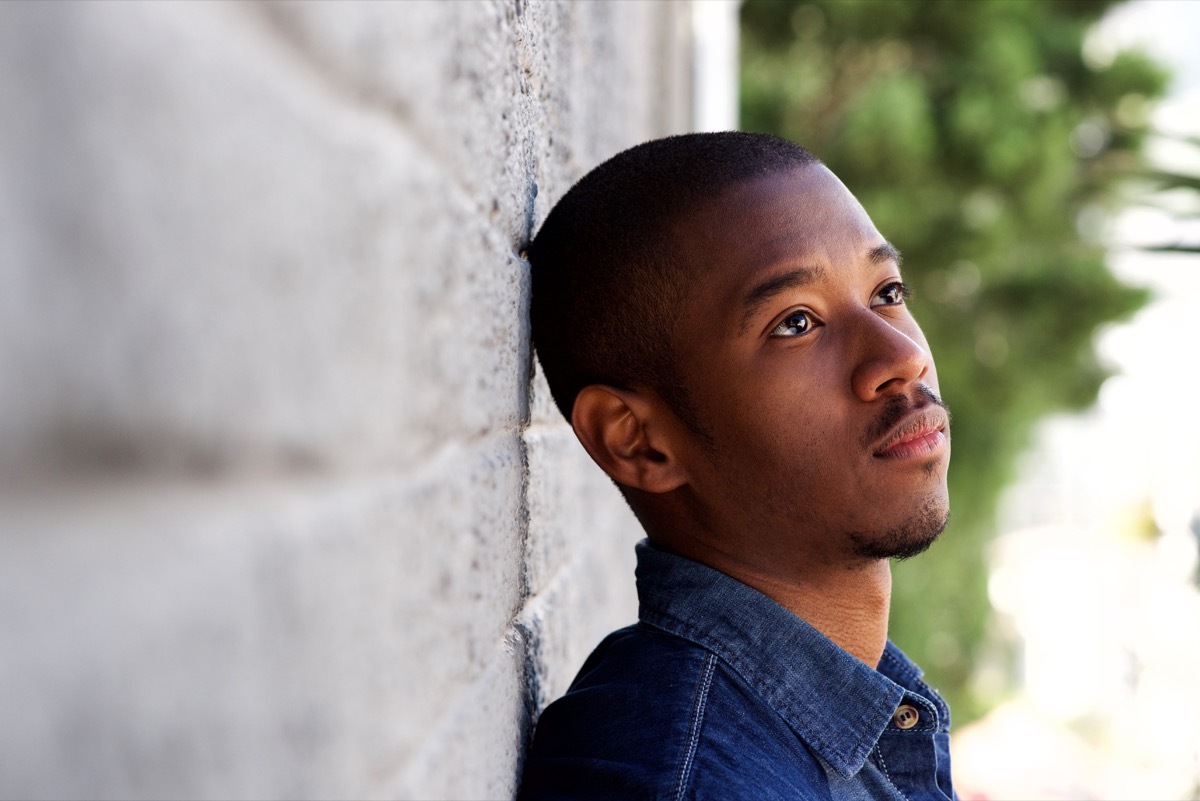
pixel 760 293
pixel 885 252
pixel 763 291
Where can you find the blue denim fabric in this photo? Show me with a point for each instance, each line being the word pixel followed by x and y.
pixel 721 693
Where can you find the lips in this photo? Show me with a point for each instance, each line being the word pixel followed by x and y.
pixel 922 433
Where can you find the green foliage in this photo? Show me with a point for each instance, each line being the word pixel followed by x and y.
pixel 982 143
pixel 1160 187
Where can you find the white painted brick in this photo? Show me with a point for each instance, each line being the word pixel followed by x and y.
pixel 246 640
pixel 591 596
pixel 471 751
pixel 282 512
pixel 260 249
pixel 574 508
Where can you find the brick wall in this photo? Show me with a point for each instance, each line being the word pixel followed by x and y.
pixel 283 512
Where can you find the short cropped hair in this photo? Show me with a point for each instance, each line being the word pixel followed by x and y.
pixel 608 282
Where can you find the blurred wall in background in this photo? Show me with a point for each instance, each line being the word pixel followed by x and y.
pixel 283 512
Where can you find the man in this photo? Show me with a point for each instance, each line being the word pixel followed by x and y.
pixel 727 333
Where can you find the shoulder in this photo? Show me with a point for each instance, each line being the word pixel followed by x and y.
pixel 655 716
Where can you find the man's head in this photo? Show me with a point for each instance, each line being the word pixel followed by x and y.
pixel 608 277
pixel 726 330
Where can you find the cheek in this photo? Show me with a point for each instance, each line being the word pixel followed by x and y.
pixel 783 431
pixel 786 408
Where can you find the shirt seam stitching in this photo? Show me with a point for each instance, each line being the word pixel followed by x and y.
pixel 887 774
pixel 752 678
pixel 907 669
pixel 922 689
pixel 692 744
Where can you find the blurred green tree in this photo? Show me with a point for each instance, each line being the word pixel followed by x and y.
pixel 1172 191
pixel 988 148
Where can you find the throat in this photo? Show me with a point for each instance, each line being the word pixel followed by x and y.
pixel 850 606
pixel 846 600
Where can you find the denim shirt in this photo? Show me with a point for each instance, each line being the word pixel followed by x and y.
pixel 721 693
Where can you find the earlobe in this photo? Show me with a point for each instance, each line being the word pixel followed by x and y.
pixel 623 433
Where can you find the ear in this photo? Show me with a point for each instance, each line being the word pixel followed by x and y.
pixel 627 433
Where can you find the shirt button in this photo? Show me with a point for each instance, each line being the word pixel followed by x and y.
pixel 906 717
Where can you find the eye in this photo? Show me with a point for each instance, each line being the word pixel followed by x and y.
pixel 893 294
pixel 796 324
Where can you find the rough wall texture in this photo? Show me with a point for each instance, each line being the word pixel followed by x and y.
pixel 283 512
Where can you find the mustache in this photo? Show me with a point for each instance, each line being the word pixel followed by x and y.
pixel 896 408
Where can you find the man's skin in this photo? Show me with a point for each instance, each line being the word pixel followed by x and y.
pixel 823 448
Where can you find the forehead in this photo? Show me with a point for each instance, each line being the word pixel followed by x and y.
pixel 801 215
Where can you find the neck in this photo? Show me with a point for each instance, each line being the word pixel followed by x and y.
pixel 848 604
pixel 849 607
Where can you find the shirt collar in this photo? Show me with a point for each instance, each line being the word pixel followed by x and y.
pixel 834 702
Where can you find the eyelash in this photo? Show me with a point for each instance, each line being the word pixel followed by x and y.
pixel 905 294
pixel 783 324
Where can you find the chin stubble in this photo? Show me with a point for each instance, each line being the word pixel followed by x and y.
pixel 906 540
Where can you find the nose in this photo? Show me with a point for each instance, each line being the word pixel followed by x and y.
pixel 890 358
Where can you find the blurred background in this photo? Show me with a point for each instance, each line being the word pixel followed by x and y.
pixel 1038 164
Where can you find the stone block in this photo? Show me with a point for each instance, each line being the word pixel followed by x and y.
pixel 243 640
pixel 225 261
pixel 285 510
